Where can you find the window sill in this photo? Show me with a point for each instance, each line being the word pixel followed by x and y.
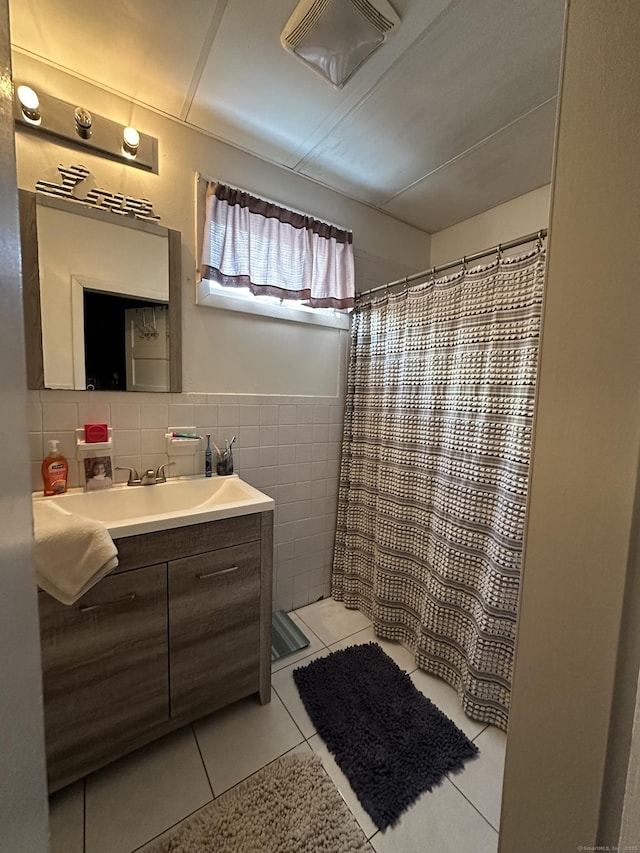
pixel 213 298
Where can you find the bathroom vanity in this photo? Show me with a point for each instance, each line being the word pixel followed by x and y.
pixel 181 628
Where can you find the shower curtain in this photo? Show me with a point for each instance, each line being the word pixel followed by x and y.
pixel 434 471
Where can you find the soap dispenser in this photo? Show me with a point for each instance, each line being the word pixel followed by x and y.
pixel 55 471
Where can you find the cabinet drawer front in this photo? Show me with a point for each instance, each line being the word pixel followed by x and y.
pixel 105 674
pixel 179 542
pixel 214 628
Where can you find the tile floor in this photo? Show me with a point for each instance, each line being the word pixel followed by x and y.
pixel 121 808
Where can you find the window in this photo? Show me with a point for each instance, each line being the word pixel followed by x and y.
pixel 273 259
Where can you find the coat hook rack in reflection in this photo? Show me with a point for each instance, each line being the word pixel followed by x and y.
pixel 147 331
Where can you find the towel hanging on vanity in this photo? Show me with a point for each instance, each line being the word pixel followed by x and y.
pixel 71 552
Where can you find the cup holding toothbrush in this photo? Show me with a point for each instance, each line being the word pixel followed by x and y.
pixel 225 459
pixel 225 463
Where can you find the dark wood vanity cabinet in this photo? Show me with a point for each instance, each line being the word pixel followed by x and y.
pixel 181 628
pixel 214 628
pixel 104 662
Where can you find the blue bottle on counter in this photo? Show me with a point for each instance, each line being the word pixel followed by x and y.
pixel 208 464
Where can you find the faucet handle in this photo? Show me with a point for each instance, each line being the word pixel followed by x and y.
pixel 161 476
pixel 134 477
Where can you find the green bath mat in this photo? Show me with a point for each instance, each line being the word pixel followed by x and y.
pixel 286 637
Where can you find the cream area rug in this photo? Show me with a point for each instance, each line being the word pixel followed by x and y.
pixel 290 806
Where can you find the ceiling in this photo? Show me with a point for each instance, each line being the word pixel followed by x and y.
pixel 453 115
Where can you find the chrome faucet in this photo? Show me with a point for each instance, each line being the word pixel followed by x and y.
pixel 161 476
pixel 149 478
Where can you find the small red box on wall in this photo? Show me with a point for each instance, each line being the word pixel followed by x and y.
pixel 96 432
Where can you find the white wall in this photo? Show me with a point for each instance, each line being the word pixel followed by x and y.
pixel 583 515
pixel 23 803
pixel 516 218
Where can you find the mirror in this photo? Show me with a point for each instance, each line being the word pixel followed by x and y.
pixel 102 302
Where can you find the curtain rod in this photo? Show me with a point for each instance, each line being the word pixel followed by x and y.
pixel 464 260
pixel 283 204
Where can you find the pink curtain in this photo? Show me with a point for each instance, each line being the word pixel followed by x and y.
pixel 272 251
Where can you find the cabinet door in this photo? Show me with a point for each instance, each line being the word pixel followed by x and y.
pixel 214 629
pixel 105 670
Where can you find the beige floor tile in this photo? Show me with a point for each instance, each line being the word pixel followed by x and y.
pixel 446 699
pixel 315 644
pixel 396 651
pixel 136 798
pixel 284 685
pixel 66 819
pixel 481 779
pixel 342 784
pixel 440 821
pixel 144 796
pixel 331 621
pixel 300 748
pixel 240 739
pixel 303 748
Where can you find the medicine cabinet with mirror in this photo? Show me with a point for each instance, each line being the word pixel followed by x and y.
pixel 102 301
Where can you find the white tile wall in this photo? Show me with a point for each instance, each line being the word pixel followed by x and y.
pixel 288 447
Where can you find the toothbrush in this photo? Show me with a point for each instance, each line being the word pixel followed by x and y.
pixel 214 444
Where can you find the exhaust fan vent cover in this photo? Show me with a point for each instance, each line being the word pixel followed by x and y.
pixel 334 37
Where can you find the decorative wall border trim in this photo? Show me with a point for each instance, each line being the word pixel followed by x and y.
pixel 122 205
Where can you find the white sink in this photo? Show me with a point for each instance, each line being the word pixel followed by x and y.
pixel 129 510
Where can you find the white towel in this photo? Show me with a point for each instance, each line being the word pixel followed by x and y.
pixel 71 552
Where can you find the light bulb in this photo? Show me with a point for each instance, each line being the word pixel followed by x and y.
pixel 130 141
pixel 84 122
pixel 30 104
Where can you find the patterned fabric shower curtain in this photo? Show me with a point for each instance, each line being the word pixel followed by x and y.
pixel 434 472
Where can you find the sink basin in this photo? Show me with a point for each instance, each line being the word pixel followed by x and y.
pixel 129 510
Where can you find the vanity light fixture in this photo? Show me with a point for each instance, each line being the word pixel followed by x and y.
pixel 130 142
pixel 29 105
pixel 83 122
pixel 77 126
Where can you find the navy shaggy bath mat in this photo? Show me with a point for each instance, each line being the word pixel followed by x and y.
pixel 390 741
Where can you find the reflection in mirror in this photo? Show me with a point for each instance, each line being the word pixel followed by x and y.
pixel 101 298
pixel 137 358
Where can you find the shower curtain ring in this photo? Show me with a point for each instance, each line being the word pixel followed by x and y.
pixel 464 263
pixel 499 252
pixel 540 239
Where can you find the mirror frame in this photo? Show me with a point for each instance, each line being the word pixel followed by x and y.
pixel 31 285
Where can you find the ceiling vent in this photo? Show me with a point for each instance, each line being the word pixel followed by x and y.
pixel 334 37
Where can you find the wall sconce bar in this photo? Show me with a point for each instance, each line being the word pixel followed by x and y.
pixel 77 126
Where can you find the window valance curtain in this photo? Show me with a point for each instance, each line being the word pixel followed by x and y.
pixel 255 244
